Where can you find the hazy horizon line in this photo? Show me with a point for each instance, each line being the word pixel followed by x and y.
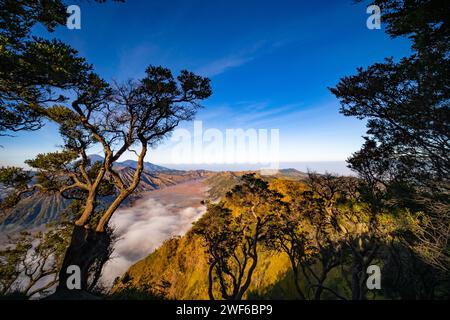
pixel 338 167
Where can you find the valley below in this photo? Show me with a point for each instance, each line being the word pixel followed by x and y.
pixel 157 216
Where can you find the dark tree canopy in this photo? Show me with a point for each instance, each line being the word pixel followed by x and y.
pixel 425 22
pixel 408 112
pixel 407 108
pixel 34 72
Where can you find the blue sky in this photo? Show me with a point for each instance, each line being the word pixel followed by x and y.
pixel 270 63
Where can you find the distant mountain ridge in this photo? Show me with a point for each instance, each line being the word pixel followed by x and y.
pixel 133 164
pixel 40 209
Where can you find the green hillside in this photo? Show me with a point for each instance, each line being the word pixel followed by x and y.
pixel 178 269
pixel 310 244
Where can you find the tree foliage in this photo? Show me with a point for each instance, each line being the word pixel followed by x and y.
pixel 331 229
pixel 30 262
pixel 34 71
pixel 232 237
pixel 406 105
pixel 118 118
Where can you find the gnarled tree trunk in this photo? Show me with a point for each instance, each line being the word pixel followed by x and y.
pixel 88 250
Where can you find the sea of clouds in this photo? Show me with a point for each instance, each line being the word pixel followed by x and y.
pixel 143 228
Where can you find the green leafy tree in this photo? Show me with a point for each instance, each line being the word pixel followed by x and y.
pixel 34 72
pixel 129 117
pixel 311 233
pixel 406 105
pixel 30 262
pixel 11 259
pixel 234 231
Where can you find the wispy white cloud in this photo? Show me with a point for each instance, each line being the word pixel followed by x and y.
pixel 258 115
pixel 251 113
pixel 234 60
pixel 219 66
pixel 134 60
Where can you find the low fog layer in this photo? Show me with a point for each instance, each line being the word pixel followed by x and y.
pixel 144 227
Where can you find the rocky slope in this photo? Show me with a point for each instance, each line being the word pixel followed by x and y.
pixel 34 211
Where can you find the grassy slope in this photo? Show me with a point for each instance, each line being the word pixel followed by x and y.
pixel 181 263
